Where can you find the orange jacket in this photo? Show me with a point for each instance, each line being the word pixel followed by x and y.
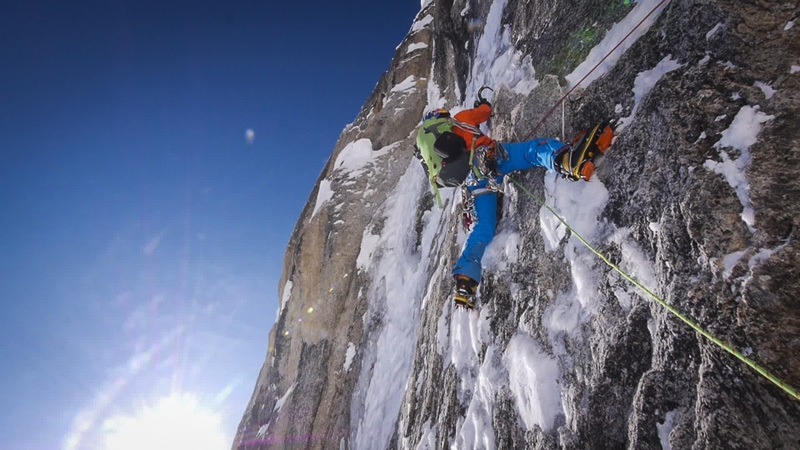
pixel 475 117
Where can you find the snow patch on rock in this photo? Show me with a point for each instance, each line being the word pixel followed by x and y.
pixel 740 135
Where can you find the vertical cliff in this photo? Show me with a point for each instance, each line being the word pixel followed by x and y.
pixel 697 200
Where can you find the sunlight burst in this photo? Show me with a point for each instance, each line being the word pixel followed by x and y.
pixel 174 422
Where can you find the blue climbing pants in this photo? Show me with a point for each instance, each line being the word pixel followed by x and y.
pixel 521 156
pixel 525 155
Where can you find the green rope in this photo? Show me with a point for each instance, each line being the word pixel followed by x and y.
pixel 764 372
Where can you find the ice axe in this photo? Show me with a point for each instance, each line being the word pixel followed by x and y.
pixel 481 98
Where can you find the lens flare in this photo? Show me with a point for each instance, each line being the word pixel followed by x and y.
pixel 177 421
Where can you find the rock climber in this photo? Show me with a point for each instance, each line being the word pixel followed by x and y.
pixel 455 153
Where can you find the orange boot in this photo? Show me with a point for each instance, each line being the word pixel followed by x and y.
pixel 576 161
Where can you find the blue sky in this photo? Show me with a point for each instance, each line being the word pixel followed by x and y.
pixel 142 235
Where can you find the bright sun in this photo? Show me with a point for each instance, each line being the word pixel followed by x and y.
pixel 175 422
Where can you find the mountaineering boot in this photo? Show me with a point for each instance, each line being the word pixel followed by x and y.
pixel 576 162
pixel 465 291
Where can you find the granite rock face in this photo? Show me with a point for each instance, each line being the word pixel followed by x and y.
pixel 697 199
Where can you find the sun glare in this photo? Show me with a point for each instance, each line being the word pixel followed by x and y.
pixel 175 422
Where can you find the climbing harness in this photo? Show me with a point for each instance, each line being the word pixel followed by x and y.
pixel 485 162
